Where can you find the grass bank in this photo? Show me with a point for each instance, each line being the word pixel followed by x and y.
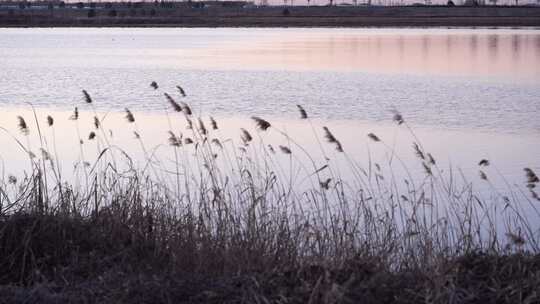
pixel 235 220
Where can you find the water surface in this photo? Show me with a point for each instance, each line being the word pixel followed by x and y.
pixel 470 93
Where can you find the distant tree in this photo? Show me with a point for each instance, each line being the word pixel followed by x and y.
pixel 91 13
pixel 92 5
pixel 50 6
pixel 22 5
pixel 80 5
pixel 112 13
pixel 108 5
pixel 62 4
pixel 450 3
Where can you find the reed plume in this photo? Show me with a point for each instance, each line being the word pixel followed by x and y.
pixel 186 108
pixel 332 139
pixel 23 127
pixel 129 116
pixel 483 175
pixel 202 128
pixel 261 123
pixel 174 140
pixel 398 118
pixel 285 150
pixel 484 162
pixel 188 141
pixel 154 85
pixel 44 154
pixel 50 121
pixel 96 122
pixel 246 137
pixel 326 184
pixel 430 159
pixel 173 103
pixel 75 114
pixel 516 239
pixel 418 151
pixel 427 169
pixel 374 137
pixel 213 123
pixel 303 113
pixel 531 176
pixel 92 135
pixel 216 142
pixel 87 97
pixel 181 90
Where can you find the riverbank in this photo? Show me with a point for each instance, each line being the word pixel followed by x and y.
pixel 149 15
pixel 58 259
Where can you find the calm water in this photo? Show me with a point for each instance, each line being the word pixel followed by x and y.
pixel 469 93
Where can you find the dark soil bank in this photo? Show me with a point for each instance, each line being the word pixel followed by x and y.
pixel 184 15
pixel 56 259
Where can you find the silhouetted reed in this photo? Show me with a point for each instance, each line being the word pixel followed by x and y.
pixel 329 231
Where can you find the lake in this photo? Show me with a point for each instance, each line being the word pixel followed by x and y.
pixel 468 94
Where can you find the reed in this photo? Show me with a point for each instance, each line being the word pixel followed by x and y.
pixel 235 223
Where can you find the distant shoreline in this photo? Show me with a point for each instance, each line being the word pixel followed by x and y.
pixel 150 15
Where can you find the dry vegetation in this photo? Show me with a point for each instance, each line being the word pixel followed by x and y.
pixel 228 224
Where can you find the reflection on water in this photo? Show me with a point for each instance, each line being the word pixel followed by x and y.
pixel 505 53
pixel 508 55
pixel 482 84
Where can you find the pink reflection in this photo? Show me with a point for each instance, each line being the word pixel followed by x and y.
pixel 483 53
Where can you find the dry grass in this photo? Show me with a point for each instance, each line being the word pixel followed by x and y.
pixel 230 225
